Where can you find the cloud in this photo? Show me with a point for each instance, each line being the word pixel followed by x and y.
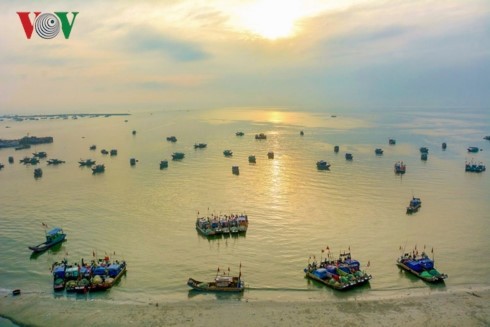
pixel 147 40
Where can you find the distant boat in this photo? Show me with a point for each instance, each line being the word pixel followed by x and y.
pixel 87 162
pixel 200 145
pixel 172 139
pixel 113 152
pixel 227 153
pixel 414 205
pixel 424 156
pixel 391 141
pixel 55 161
pixel 487 137
pixel 322 165
pixel 98 169
pixel 424 150
pixel 444 145
pixel 400 167
pixel 260 136
pixel 93 147
pixel 473 149
pixel 378 151
pixel 134 132
pixel 53 237
pixel 348 156
pixel 132 161
pixel 336 149
pixel 251 159
pixel 1 165
pixel 104 151
pixel 11 159
pixel 235 170
pixel 40 154
pixel 270 155
pixel 301 133
pixel 474 167
pixel 38 172
pixel 163 164
pixel 178 155
pixel 239 133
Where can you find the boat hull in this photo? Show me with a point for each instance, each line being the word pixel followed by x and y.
pixel 360 281
pixel 46 245
pixel 433 279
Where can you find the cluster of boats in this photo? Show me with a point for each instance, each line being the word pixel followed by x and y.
pixel 474 167
pixel 222 225
pixel 98 275
pixel 421 266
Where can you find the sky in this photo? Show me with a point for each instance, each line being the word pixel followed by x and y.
pixel 194 54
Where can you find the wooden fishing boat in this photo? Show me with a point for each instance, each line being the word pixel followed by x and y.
pixel 53 237
pixel 221 283
pixel 421 266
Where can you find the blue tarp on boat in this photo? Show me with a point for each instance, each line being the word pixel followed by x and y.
pixel 100 271
pixel 332 270
pixel 352 263
pixel 427 263
pixel 54 231
pixel 59 272
pixel 321 273
pixel 114 269
pixel 414 265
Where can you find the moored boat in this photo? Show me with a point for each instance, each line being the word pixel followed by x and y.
pixel 473 149
pixel 172 139
pixel 203 225
pixel 221 283
pixel 87 162
pixel 235 170
pixel 53 237
pixel 336 149
pixel 424 150
pixel 348 156
pixel 178 155
pixel 227 153
pixel 424 156
pixel 38 172
pixel 260 136
pixel 341 274
pixel 58 270
pixel 239 133
pixel 163 164
pixel 414 205
pixel 474 167
pixel 55 161
pixel 270 155
pixel 421 266
pixel 322 165
pixel 400 167
pixel 391 141
pixel 251 159
pixel 378 151
pixel 200 145
pixel 98 169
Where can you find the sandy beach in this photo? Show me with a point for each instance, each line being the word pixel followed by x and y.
pixel 460 308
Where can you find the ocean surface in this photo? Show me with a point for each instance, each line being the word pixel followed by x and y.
pixel 146 216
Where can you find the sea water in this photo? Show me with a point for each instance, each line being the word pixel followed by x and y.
pixel 146 215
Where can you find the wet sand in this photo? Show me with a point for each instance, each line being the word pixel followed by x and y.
pixel 461 308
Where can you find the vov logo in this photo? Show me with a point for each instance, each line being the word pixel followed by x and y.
pixel 47 25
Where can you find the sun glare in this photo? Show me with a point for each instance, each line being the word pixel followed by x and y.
pixel 271 19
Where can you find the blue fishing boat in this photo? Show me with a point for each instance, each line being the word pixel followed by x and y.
pixel 58 270
pixel 341 274
pixel 414 205
pixel 53 237
pixel 473 149
pixel 421 266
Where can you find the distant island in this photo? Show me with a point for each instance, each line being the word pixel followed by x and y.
pixel 25 142
pixel 55 116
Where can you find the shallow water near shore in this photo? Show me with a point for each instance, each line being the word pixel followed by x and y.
pixel 146 216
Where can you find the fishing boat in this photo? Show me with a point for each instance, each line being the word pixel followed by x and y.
pixel 421 266
pixel 172 139
pixel 239 133
pixel 400 167
pixel 98 169
pixel 55 161
pixel 93 147
pixel 242 221
pixel 414 205
pixel 132 161
pixel 104 151
pixel 424 150
pixel 391 141
pixel 163 164
pixel 203 225
pixel 235 170
pixel 221 283
pixel 53 237
pixel 487 137
pixel 251 159
pixel 341 274
pixel 38 172
pixel 200 145
pixel 474 167
pixel 336 149
pixel 260 136
pixel 301 133
pixel 424 156
pixel 87 162
pixel 444 145
pixel 322 165
pixel 106 274
pixel 378 151
pixel 58 270
pixel 473 149
pixel 348 156
pixel 178 155
pixel 227 153
pixel 270 155
pixel 113 152
pixel 40 154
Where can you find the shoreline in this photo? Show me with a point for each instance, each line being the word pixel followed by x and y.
pixel 465 307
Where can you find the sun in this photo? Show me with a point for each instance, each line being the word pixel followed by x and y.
pixel 270 19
